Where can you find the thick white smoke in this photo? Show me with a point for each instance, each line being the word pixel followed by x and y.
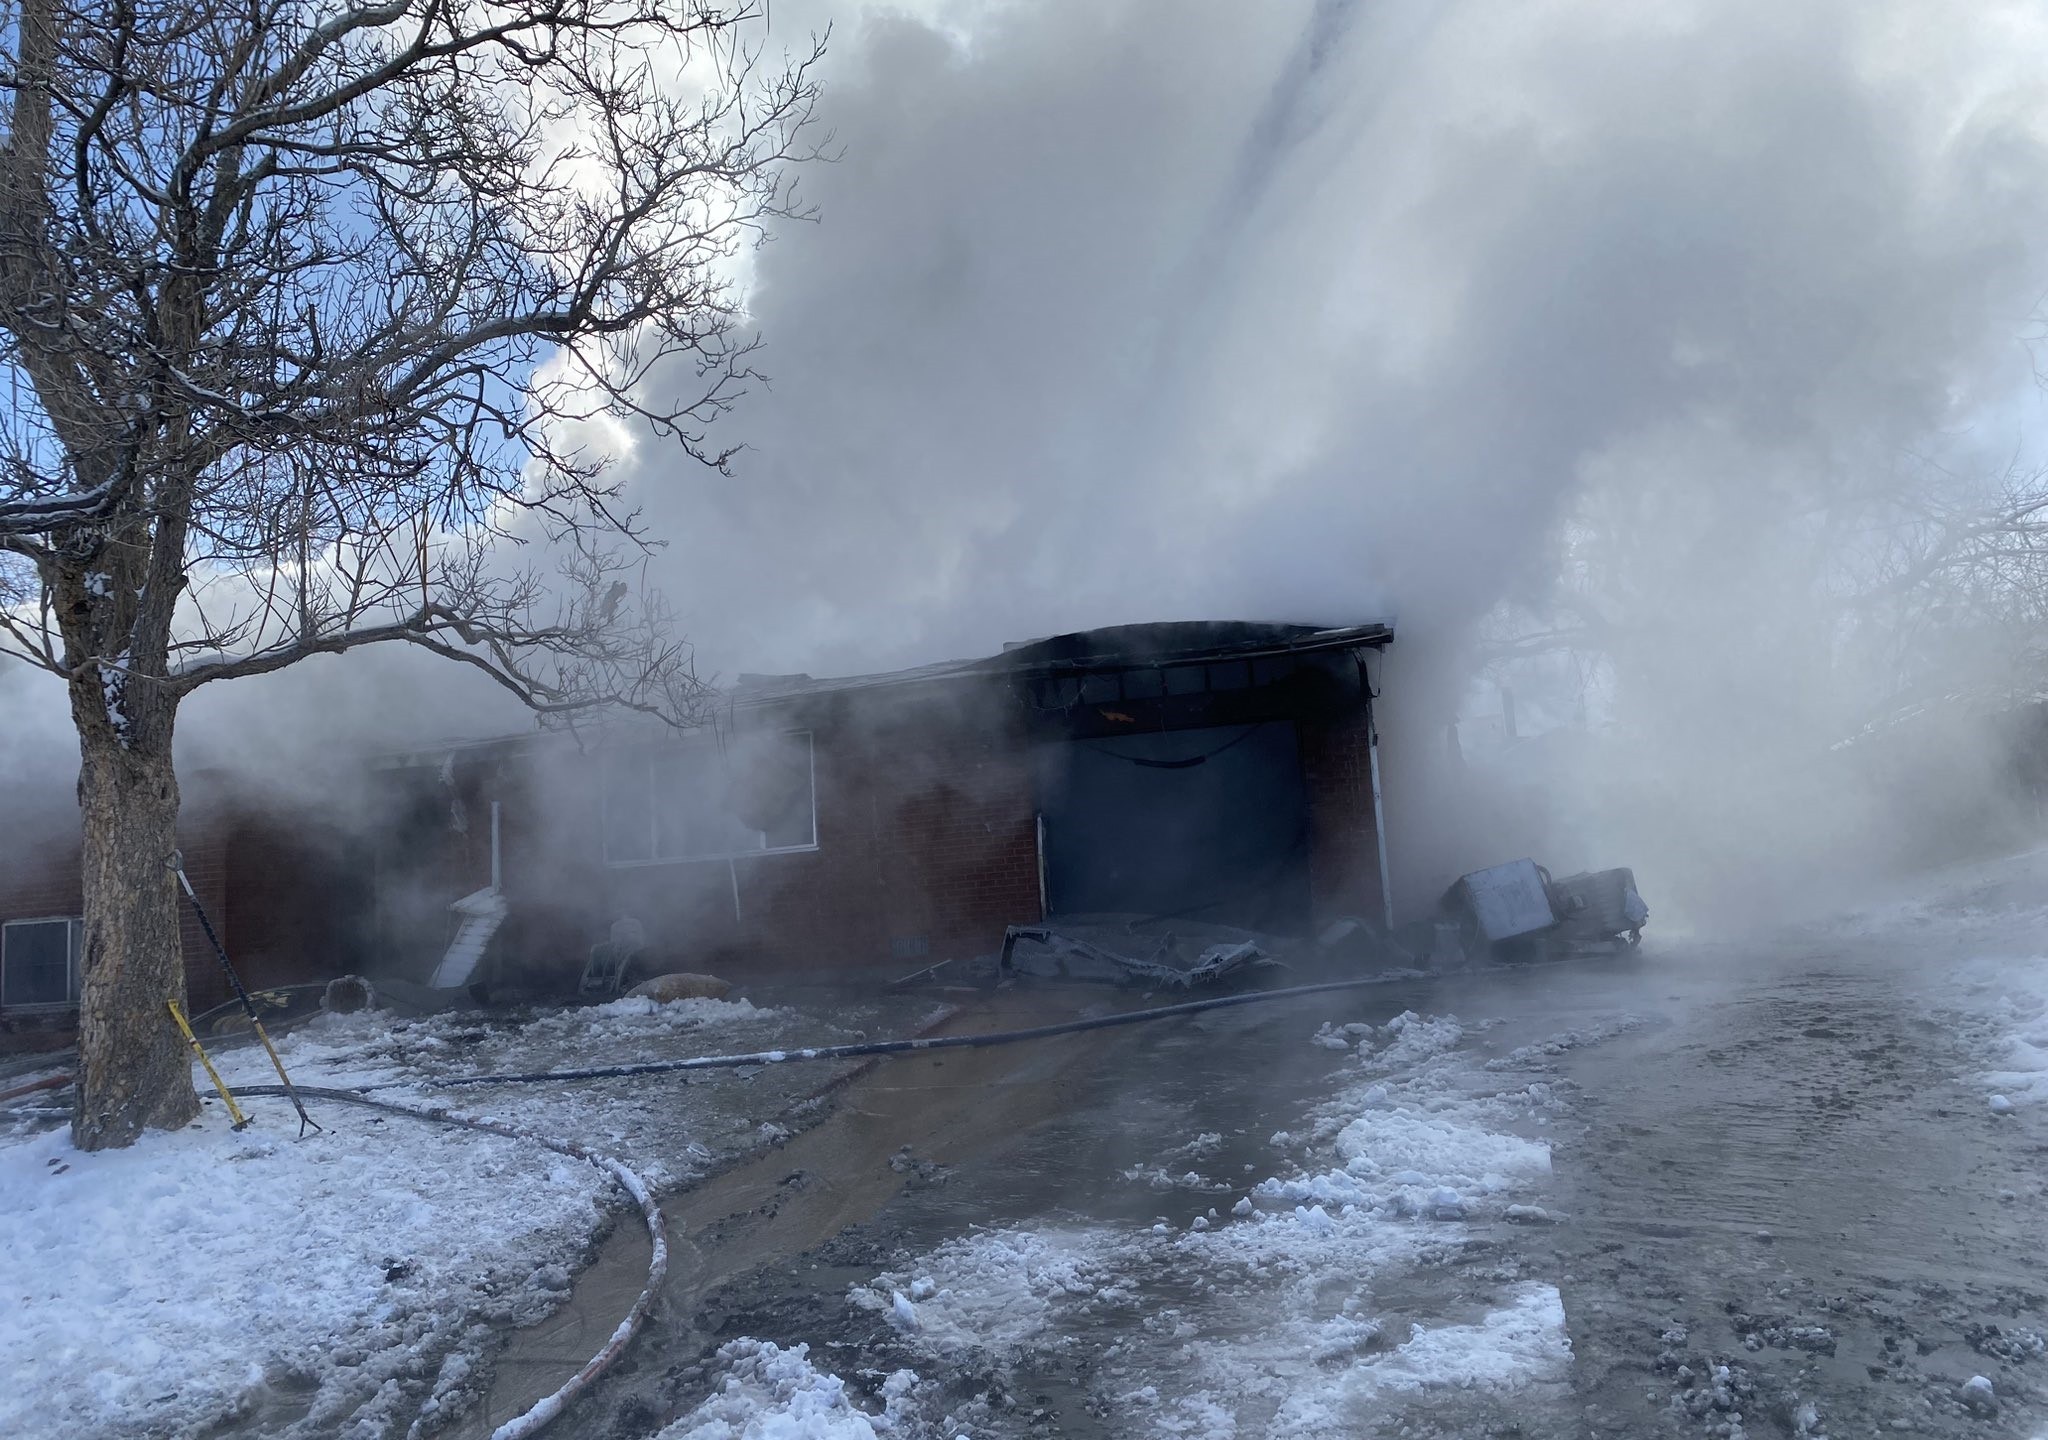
pixel 1328 310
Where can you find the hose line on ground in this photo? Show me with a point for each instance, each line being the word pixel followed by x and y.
pixel 544 1411
pixel 549 1408
pixel 902 1047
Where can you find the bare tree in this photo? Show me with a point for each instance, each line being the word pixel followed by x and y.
pixel 304 306
pixel 1918 585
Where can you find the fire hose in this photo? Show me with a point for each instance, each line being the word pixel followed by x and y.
pixel 905 1047
pixel 531 1422
pixel 545 1411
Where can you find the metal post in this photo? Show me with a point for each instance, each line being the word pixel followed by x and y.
pixel 1044 890
pixel 1379 819
pixel 497 870
pixel 1379 806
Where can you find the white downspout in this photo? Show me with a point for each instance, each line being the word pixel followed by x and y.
pixel 1044 891
pixel 1379 809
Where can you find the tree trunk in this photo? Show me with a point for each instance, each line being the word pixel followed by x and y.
pixel 134 1070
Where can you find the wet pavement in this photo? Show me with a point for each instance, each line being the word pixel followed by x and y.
pixel 1063 1135
pixel 1789 1204
pixel 1781 1206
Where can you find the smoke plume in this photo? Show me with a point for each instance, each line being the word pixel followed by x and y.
pixel 1322 310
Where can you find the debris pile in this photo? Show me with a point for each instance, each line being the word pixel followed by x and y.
pixel 1117 955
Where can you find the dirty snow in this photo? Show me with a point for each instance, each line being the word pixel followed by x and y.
pixel 1268 1320
pixel 160 1289
pixel 1350 1383
pixel 671 1128
pixel 998 1290
pixel 772 1393
pixel 370 1047
pixel 1977 933
pixel 352 1280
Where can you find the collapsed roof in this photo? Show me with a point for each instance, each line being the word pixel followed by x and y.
pixel 1164 646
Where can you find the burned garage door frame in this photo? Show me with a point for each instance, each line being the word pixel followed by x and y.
pixel 1182 698
pixel 1181 677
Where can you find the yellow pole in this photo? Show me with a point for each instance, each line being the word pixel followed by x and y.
pixel 211 1073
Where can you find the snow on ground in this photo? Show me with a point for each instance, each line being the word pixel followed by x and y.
pixel 372 1046
pixel 772 1393
pixel 158 1289
pixel 1288 1336
pixel 1520 1343
pixel 336 1284
pixel 1977 937
pixel 999 1290
pixel 670 1128
pixel 1263 1316
pixel 2016 1045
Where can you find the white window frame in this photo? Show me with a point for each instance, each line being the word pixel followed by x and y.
pixel 644 760
pixel 72 941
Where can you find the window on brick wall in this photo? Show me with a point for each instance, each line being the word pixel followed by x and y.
pixel 39 963
pixel 746 795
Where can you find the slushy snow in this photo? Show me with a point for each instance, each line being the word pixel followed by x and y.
pixel 178 1283
pixel 167 1286
pixel 1264 1322
pixel 771 1393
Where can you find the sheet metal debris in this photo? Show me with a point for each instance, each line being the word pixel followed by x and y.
pixel 1110 956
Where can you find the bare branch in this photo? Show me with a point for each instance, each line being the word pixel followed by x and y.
pixel 302 310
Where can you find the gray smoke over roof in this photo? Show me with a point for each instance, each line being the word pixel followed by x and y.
pixel 1131 311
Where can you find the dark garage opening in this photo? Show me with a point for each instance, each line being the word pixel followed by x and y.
pixel 1207 824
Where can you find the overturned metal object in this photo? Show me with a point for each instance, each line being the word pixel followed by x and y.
pixel 1518 911
pixel 1505 902
pixel 1065 956
pixel 1600 905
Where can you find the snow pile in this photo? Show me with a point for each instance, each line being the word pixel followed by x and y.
pixel 998 1290
pixel 1523 1343
pixel 637 1017
pixel 1402 1143
pixel 1353 1383
pixel 166 1287
pixel 772 1393
pixel 1412 1137
pixel 2013 1037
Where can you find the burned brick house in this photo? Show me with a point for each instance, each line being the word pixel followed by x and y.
pixel 1222 772
pixel 1218 771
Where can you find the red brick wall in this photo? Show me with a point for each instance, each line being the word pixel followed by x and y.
pixel 204 842
pixel 926 837
pixel 41 879
pixel 296 902
pixel 1343 844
